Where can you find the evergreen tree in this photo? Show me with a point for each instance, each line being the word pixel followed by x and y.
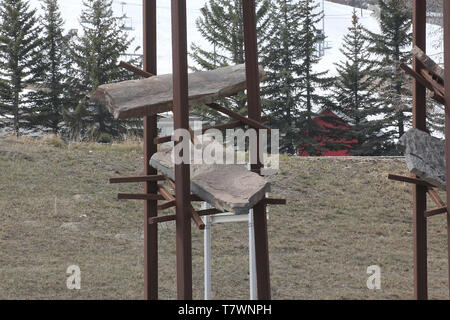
pixel 284 66
pixel 51 95
pixel 354 94
pixel 435 117
pixel 221 25
pixel 4 98
pixel 19 46
pixel 391 46
pixel 95 56
pixel 312 96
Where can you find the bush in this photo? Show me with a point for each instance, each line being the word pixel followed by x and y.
pixel 105 138
pixel 54 140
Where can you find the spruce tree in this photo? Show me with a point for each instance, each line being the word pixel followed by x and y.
pixel 391 46
pixel 221 25
pixel 51 95
pixel 282 60
pixel 354 94
pixel 95 57
pixel 19 46
pixel 312 96
pixel 435 117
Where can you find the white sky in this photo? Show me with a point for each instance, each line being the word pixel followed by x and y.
pixel 338 19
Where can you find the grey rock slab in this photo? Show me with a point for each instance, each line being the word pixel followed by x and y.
pixel 425 156
pixel 231 188
pixel 138 98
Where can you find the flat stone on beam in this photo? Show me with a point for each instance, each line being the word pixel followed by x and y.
pixel 425 156
pixel 229 188
pixel 139 98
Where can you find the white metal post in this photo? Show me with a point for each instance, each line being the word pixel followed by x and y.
pixel 252 257
pixel 229 218
pixel 207 255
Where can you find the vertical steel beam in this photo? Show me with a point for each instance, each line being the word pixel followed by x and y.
pixel 447 111
pixel 419 194
pixel 150 132
pixel 182 171
pixel 254 112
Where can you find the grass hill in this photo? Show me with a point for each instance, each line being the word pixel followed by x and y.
pixel 57 209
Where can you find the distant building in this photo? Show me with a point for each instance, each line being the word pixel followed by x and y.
pixel 329 121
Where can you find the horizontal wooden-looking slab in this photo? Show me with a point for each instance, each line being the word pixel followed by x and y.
pixel 138 98
pixel 228 188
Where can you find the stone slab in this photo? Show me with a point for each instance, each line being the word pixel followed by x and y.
pixel 425 156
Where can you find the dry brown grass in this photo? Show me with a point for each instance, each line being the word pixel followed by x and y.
pixel 343 216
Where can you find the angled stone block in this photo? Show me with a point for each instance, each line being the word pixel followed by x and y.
pixel 425 156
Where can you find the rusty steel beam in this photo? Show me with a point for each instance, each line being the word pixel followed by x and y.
pixel 135 70
pixel 254 113
pixel 221 127
pixel 446 15
pixel 436 198
pixel 410 180
pixel 435 212
pixel 202 213
pixel 182 171
pixel 425 81
pixel 437 97
pixel 150 132
pixel 437 87
pixel 167 205
pixel 420 192
pixel 166 194
pixel 275 202
pixel 136 179
pixel 143 196
pixel 198 221
pixel 248 121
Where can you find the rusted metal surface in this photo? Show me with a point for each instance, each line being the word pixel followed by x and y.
pixel 269 201
pixel 435 212
pixel 256 124
pixel 446 15
pixel 425 79
pixel 182 171
pixel 198 221
pixel 166 194
pixel 428 63
pixel 150 132
pixel 162 140
pixel 411 180
pixel 167 205
pixel 419 192
pixel 436 86
pixel 436 198
pixel 136 179
pixel 130 196
pixel 254 113
pixel 201 213
pixel 221 127
pixel 196 217
pixel 135 70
